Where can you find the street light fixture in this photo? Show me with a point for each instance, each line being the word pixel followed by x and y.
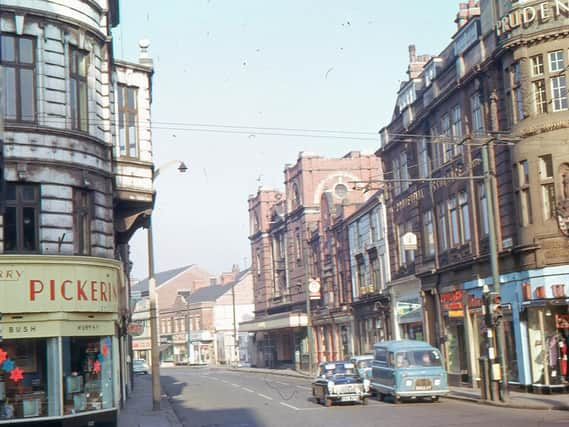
pixel 154 345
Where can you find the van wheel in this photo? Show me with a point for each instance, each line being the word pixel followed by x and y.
pixel 328 403
pixel 435 399
pixel 380 396
pixel 396 400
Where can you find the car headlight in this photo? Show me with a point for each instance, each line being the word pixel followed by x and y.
pixel 331 386
pixel 367 383
pixel 437 382
pixel 408 383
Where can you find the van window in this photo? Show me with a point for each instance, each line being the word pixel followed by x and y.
pixel 418 358
pixel 381 355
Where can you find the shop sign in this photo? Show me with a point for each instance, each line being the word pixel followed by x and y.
pixel 409 241
pixel 455 313
pixel 180 338
pixel 314 289
pixel 452 300
pixel 141 344
pixel 562 321
pixel 474 304
pixel 135 329
pixel 57 328
pixel 409 200
pixel 52 284
pixel 525 16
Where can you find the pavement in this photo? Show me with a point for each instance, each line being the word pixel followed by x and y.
pixel 518 400
pixel 138 412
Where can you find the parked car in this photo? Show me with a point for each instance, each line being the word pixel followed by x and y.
pixel 363 367
pixel 139 366
pixel 408 369
pixel 339 382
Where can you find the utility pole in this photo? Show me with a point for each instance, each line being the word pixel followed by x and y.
pixel 490 209
pixel 235 337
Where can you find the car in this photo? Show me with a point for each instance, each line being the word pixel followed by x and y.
pixel 139 366
pixel 339 382
pixel 363 366
pixel 408 369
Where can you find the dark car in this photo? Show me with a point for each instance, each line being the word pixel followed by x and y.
pixel 339 382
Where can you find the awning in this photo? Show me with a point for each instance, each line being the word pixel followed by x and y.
pixel 275 321
pixel 413 316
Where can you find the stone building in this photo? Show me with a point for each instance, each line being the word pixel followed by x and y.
pixel 501 82
pixel 76 184
pixel 282 227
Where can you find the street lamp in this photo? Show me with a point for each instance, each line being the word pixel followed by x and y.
pixel 154 345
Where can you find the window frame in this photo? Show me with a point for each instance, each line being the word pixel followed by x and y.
pixel 125 115
pixel 19 204
pixel 83 214
pixel 77 83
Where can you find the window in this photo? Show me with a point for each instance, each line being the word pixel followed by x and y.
pixel 477 114
pixel 559 93
pixel 424 164
pixel 88 374
pixel 539 97
pixel 437 149
pixel 361 274
pixel 524 196
pixel 404 171
pixel 443 230
pixel 396 176
pixel 556 62
pixel 464 216
pixel 82 215
pixel 406 257
pixel 128 118
pixel 537 65
pixel 547 186
pixel 445 131
pixel 375 271
pixel 483 210
pixel 295 196
pixel 454 221
pixel 18 80
pixel 78 82
pixel 21 218
pixel 298 247
pixel 457 123
pixel 428 234
pixel 517 92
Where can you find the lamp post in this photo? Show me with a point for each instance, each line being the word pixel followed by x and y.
pixel 154 345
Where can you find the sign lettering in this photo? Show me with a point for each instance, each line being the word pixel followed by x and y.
pixel 526 16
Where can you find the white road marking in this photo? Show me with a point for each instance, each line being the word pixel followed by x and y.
pixel 289 406
pixel 248 390
pixel 280 382
pixel 235 385
pixel 264 396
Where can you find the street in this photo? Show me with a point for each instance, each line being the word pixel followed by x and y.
pixel 214 397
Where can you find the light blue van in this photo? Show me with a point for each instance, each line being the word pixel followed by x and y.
pixel 408 369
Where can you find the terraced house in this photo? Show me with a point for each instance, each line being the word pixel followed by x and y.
pixel 76 184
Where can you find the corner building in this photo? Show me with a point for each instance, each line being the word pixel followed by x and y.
pixel 77 183
pixel 501 81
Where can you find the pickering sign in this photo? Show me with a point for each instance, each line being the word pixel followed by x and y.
pixel 538 13
pixel 60 284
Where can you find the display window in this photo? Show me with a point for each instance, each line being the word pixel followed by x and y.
pixel 28 378
pixel 88 374
pixel 456 348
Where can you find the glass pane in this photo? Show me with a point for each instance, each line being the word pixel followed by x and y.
pixel 83 106
pixel 10 192
pixel 88 374
pixel 29 226
pixel 28 193
pixel 73 61
pixel 10 235
pixel 9 89
pixel 27 95
pixel 8 50
pixel 26 51
pixel 131 98
pixel 81 64
pixel 74 107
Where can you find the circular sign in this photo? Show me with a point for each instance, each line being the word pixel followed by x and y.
pixel 314 286
pixel 135 329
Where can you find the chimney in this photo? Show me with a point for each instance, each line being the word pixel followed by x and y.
pixel 143 56
pixel 465 12
pixel 412 53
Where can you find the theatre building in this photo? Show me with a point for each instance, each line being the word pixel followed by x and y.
pixel 77 183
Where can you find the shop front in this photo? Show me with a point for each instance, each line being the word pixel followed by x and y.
pixel 455 339
pixel 59 356
pixel 372 321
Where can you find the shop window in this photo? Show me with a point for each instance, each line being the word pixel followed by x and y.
pixel 128 118
pixel 88 374
pixel 82 215
pixel 18 59
pixel 21 218
pixel 29 378
pixel 79 63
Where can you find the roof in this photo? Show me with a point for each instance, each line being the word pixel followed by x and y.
pixel 396 345
pixel 213 292
pixel 161 278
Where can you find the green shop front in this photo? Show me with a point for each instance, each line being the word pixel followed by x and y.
pixel 59 354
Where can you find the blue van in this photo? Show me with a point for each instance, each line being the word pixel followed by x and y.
pixel 408 369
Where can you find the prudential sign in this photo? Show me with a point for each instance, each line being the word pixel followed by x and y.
pixel 536 14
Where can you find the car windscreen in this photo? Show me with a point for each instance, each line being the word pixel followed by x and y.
pixel 339 369
pixel 362 364
pixel 418 358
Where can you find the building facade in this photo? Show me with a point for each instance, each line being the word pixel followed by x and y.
pixel 76 123
pixel 287 248
pixel 501 83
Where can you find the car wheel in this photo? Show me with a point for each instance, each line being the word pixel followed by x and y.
pixel 395 399
pixel 364 401
pixel 435 399
pixel 328 403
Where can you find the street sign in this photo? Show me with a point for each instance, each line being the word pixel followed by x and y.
pixel 314 289
pixel 409 241
pixel 135 329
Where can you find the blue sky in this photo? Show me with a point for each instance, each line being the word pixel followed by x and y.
pixel 302 64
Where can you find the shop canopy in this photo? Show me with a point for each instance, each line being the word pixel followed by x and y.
pixel 275 321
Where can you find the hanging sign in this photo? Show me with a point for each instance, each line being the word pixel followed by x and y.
pixel 314 289
pixel 562 321
pixel 409 241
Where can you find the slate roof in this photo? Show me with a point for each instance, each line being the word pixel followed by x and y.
pixel 213 292
pixel 161 278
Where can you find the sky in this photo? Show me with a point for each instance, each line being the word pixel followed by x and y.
pixel 225 68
